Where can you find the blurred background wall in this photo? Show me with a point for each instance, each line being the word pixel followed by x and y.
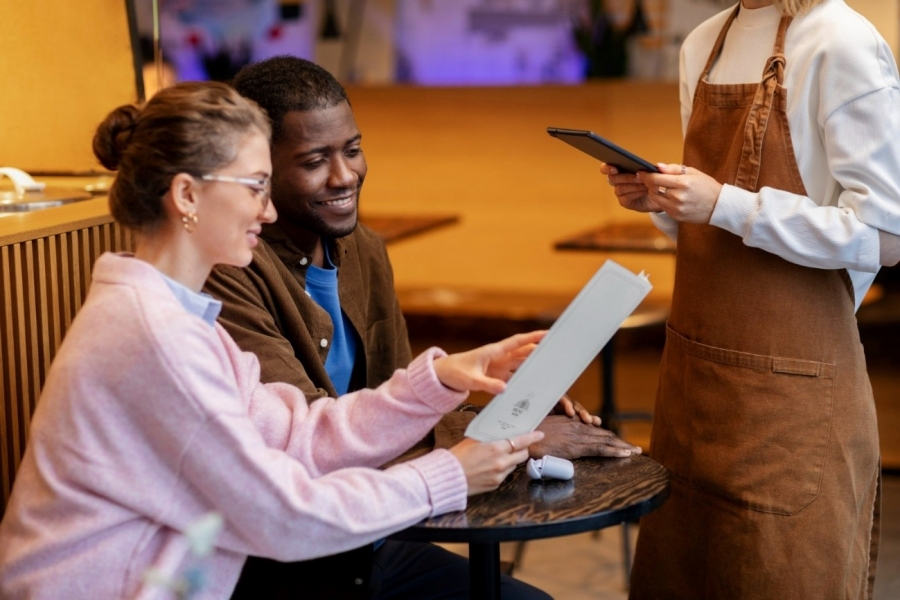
pixel 447 42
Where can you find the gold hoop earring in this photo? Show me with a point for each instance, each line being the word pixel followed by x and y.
pixel 190 221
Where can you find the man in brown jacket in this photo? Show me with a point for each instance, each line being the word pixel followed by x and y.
pixel 318 307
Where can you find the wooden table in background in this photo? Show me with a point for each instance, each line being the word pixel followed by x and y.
pixel 604 492
pixel 635 236
pixel 619 237
pixel 396 227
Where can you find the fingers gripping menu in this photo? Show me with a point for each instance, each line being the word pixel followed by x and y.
pixel 579 334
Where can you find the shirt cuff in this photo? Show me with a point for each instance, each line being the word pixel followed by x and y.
pixel 734 210
pixel 665 224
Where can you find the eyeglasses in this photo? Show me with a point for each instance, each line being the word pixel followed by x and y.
pixel 261 188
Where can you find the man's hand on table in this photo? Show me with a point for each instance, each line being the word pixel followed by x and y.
pixel 575 433
pixel 573 408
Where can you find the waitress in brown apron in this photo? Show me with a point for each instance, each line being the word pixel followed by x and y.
pixel 785 207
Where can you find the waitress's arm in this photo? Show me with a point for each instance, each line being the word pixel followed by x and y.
pixel 862 149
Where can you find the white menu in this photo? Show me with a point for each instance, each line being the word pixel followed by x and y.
pixel 573 341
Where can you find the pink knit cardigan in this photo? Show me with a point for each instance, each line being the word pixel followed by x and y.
pixel 151 418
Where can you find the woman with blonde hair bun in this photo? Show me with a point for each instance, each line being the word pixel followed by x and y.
pixel 785 207
pixel 792 8
pixel 151 417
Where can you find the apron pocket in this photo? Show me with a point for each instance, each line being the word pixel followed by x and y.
pixel 758 425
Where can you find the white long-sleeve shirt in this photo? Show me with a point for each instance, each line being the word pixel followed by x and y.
pixel 843 108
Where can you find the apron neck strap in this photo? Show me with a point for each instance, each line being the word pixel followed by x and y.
pixel 776 61
pixel 720 41
pixel 774 64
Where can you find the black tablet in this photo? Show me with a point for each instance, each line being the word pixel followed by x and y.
pixel 602 149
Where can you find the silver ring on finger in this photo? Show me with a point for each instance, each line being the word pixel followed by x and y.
pixel 512 444
pixel 683 170
pixel 662 190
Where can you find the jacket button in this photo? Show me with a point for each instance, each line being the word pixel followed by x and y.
pixel 358 581
pixel 324 343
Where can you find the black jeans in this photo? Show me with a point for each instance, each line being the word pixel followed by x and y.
pixel 413 571
pixel 396 571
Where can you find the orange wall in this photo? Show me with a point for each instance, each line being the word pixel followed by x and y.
pixel 484 153
pixel 64 66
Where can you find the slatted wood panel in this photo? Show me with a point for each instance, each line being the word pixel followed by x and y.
pixel 43 283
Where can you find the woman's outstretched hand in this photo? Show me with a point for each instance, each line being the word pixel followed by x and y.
pixel 486 464
pixel 488 368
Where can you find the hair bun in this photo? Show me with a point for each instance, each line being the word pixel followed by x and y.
pixel 114 135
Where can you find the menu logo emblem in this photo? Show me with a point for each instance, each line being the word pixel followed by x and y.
pixel 521 406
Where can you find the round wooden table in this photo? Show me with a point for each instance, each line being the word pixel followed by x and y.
pixel 603 492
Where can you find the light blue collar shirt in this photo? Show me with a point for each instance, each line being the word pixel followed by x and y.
pixel 197 303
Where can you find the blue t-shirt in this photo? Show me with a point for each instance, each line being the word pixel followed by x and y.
pixel 322 285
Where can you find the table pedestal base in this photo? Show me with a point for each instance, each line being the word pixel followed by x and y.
pixel 484 571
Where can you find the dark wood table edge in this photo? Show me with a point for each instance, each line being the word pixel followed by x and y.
pixel 511 533
pixel 619 236
pixel 484 543
pixel 570 247
pixel 396 227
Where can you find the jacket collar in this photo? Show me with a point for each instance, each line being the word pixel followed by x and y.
pixel 291 255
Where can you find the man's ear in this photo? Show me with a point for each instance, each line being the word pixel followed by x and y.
pixel 183 193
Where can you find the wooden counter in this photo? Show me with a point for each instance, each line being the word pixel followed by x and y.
pixel 45 270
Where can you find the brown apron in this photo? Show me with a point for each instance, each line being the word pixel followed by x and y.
pixel 764 414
